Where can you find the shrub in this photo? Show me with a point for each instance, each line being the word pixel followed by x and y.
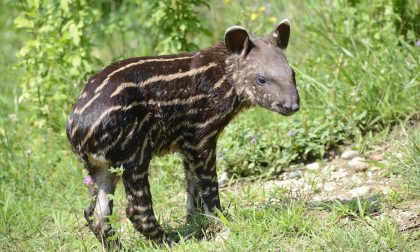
pixel 56 55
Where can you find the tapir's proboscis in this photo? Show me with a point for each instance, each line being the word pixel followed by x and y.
pixel 137 108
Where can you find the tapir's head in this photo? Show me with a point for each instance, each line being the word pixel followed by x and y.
pixel 259 68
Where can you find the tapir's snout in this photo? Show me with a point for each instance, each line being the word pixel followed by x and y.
pixel 288 107
pixel 292 106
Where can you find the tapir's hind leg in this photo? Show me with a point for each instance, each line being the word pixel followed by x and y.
pixel 139 199
pixel 103 183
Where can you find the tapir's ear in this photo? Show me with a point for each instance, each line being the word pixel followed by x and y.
pixel 237 40
pixel 281 34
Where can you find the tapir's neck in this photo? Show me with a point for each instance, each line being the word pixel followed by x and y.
pixel 217 83
pixel 201 92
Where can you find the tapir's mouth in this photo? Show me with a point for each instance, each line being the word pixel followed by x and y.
pixel 286 111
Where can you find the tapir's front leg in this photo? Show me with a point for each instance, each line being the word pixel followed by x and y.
pixel 202 186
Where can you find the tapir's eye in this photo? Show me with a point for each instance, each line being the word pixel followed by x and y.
pixel 261 80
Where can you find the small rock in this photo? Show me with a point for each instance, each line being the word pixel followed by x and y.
pixel 377 157
pixel 313 166
pixel 223 235
pixel 317 187
pixel 349 154
pixel 330 168
pixel 356 180
pixel 360 191
pixel 339 174
pixel 343 198
pixel 329 186
pixel 385 190
pixel 295 174
pixel 223 179
pixel 358 164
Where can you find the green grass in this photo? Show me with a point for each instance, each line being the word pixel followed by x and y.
pixel 409 164
pixel 357 77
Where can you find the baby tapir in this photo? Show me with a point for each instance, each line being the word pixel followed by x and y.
pixel 141 107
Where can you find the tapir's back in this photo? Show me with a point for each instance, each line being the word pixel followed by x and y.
pixel 139 96
pixel 112 106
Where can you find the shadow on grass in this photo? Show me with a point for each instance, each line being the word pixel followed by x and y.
pixel 200 227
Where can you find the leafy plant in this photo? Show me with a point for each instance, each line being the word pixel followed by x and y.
pixel 176 22
pixel 56 56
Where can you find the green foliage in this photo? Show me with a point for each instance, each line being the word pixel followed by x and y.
pixel 117 170
pixel 176 22
pixel 409 164
pixel 356 208
pixel 408 16
pixel 267 147
pixel 56 55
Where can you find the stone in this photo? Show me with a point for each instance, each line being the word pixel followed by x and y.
pixel 330 168
pixel 377 157
pixel 223 179
pixel 349 154
pixel 296 187
pixel 315 166
pixel 385 190
pixel 360 191
pixel 358 164
pixel 223 235
pixel 329 186
pixel 341 173
pixel 295 174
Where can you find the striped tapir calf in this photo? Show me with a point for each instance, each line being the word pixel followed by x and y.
pixel 141 107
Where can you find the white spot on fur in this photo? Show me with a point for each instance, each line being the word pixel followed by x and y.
pixel 273 106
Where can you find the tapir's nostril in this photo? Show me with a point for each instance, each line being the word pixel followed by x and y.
pixel 288 108
pixel 291 106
